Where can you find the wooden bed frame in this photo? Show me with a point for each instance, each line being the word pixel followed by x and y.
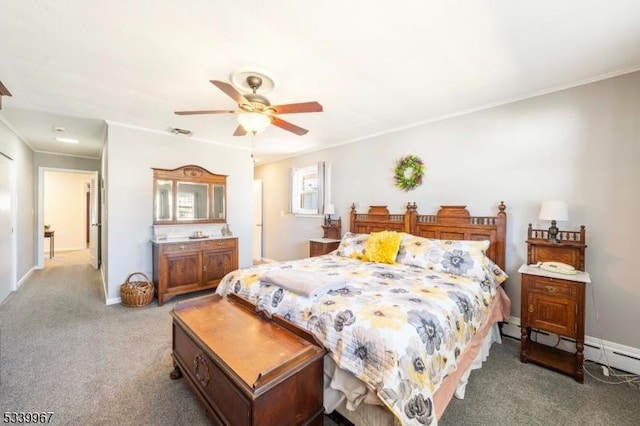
pixel 450 223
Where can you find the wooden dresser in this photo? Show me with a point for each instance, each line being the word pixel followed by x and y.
pixel 191 265
pixel 245 369
pixel 553 302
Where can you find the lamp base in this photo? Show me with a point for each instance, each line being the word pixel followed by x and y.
pixel 553 233
pixel 332 228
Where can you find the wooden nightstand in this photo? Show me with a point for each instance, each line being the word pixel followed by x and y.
pixel 320 246
pixel 554 302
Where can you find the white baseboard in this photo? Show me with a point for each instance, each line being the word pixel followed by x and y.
pixel 25 277
pixel 614 355
pixel 113 301
pixel 108 301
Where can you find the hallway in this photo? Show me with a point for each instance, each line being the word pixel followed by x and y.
pixel 68 258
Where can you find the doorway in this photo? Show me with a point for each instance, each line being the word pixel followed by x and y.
pixel 67 214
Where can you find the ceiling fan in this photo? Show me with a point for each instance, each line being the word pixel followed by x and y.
pixel 256 112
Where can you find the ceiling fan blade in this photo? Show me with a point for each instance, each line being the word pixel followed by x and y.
pixel 230 91
pixel 206 111
pixel 288 126
pixel 301 107
pixel 240 131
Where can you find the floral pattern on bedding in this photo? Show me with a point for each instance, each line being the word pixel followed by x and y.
pixel 398 328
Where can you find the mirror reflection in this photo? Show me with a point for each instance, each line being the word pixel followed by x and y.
pixel 218 202
pixel 193 202
pixel 164 191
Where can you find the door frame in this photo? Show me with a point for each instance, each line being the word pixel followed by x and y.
pixel 40 235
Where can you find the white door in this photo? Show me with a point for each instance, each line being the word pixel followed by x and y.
pixel 94 217
pixel 6 230
pixel 257 221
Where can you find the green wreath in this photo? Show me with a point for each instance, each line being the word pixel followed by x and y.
pixel 408 172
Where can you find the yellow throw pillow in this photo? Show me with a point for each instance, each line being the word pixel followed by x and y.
pixel 382 247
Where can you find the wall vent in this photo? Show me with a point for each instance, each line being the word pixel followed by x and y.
pixel 184 132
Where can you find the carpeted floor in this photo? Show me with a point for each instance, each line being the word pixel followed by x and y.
pixel 62 350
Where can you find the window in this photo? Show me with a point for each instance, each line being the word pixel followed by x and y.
pixel 310 189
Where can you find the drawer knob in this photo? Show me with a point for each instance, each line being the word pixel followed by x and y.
pixel 530 308
pixel 550 288
pixel 182 247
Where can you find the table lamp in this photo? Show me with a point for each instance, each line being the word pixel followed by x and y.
pixel 329 209
pixel 554 211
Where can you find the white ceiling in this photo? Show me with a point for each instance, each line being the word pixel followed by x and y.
pixel 375 66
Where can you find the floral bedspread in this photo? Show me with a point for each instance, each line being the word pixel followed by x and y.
pixel 398 328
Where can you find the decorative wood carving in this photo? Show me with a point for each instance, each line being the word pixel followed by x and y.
pixel 450 223
pixel 332 229
pixel 201 369
pixel 569 250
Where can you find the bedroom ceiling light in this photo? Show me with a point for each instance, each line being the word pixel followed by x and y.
pixel 554 211
pixel 67 140
pixel 254 122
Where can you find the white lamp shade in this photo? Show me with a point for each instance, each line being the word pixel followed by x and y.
pixel 554 210
pixel 329 209
pixel 254 122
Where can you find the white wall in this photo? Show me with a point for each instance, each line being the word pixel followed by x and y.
pixel 131 155
pixel 24 202
pixel 581 145
pixel 65 208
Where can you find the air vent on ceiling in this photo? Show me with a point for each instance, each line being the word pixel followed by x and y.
pixel 184 132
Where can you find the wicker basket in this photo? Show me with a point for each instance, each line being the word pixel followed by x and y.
pixel 136 293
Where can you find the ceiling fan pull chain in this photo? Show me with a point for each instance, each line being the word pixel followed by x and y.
pixel 253 146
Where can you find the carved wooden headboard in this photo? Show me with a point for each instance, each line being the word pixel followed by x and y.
pixel 450 223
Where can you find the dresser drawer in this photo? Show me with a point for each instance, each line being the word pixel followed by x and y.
pixel 316 249
pixel 219 244
pixel 178 247
pixel 551 286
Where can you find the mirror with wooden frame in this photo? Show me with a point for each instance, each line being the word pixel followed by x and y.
pixel 188 194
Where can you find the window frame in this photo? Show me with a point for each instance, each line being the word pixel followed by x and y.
pixel 297 190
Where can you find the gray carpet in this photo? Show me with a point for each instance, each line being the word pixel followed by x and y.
pixel 63 350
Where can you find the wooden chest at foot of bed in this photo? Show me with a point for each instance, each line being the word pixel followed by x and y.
pixel 245 369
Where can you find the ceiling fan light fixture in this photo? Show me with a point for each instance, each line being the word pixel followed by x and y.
pixel 254 122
